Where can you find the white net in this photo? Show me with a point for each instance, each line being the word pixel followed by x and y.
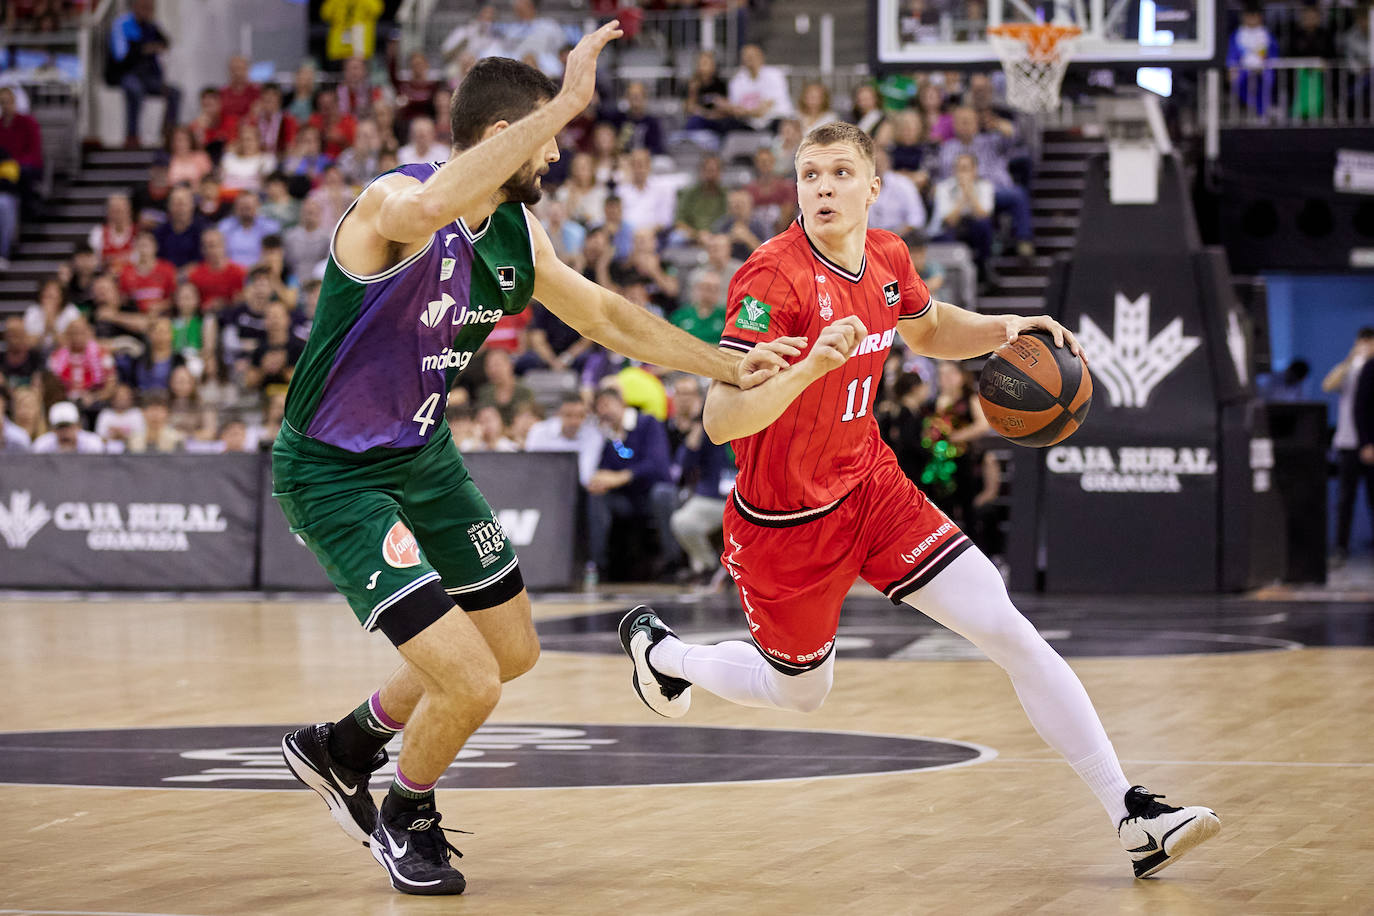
pixel 1034 58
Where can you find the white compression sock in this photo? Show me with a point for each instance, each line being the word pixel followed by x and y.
pixel 735 671
pixel 969 598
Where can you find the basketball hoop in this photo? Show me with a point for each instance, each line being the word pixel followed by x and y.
pixel 1034 57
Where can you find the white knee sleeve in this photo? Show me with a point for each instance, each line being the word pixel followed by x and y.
pixel 800 692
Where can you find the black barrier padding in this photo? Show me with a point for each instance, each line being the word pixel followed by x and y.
pixel 149 522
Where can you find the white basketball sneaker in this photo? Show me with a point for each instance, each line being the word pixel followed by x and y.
pixel 640 631
pixel 1155 835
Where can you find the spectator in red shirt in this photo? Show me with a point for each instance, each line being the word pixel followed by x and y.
pixel 355 95
pixel 211 127
pixel 336 127
pixel 217 279
pixel 415 93
pixel 20 136
pixel 113 240
pixel 277 127
pixel 85 371
pixel 148 280
pixel 239 95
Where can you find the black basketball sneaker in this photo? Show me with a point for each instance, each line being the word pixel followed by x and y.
pixel 411 846
pixel 343 789
pixel 640 631
pixel 1155 835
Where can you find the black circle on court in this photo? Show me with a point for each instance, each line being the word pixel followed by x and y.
pixel 499 756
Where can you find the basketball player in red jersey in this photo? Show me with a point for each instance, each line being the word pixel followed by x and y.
pixel 820 499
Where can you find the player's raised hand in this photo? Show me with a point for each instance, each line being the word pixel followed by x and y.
pixel 835 343
pixel 579 73
pixel 767 360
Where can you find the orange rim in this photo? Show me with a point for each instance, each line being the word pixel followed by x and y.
pixel 1041 39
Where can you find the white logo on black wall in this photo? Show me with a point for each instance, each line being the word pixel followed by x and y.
pixel 139 527
pixel 22 519
pixel 1131 363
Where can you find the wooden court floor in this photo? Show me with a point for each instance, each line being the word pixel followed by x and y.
pixel 1280 743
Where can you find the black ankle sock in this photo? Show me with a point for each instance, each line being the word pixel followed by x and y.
pixel 352 746
pixel 399 801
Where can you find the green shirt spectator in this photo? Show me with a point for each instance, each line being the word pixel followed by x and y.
pixel 704 314
pixel 699 206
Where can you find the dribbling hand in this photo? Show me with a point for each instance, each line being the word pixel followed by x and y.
pixel 579 73
pixel 834 345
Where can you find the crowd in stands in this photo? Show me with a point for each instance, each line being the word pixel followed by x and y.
pixel 176 325
pixel 1319 36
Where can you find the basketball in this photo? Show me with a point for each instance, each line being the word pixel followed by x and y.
pixel 1034 393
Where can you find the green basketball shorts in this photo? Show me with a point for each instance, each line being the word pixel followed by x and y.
pixel 383 523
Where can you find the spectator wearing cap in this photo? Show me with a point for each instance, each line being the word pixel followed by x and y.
pixel 244 230
pixel 570 430
pixel 66 435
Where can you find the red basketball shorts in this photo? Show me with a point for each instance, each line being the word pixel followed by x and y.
pixel 794 569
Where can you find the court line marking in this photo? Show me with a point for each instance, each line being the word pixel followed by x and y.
pixel 1202 763
pixel 83 912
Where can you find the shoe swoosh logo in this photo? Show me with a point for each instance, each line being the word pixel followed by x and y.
pixel 396 851
pixel 343 786
pixel 1165 838
pixel 1152 845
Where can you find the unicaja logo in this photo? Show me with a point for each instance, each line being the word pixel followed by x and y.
pixel 21 520
pixel 1132 363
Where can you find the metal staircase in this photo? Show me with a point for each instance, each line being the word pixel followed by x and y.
pixel 76 205
pixel 1056 198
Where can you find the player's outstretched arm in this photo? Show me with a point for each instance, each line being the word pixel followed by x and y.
pixel 618 324
pixel 733 414
pixel 946 331
pixel 407 211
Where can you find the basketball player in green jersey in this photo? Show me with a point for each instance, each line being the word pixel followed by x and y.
pixel 421 267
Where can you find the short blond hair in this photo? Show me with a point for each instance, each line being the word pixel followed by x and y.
pixel 838 132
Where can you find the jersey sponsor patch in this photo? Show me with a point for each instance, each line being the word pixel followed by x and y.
pixel 754 315
pixel 891 295
pixel 446 268
pixel 506 277
pixel 399 547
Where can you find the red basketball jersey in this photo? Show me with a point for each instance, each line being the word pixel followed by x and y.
pixel 826 441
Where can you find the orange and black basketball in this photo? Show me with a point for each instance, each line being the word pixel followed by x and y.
pixel 1034 393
